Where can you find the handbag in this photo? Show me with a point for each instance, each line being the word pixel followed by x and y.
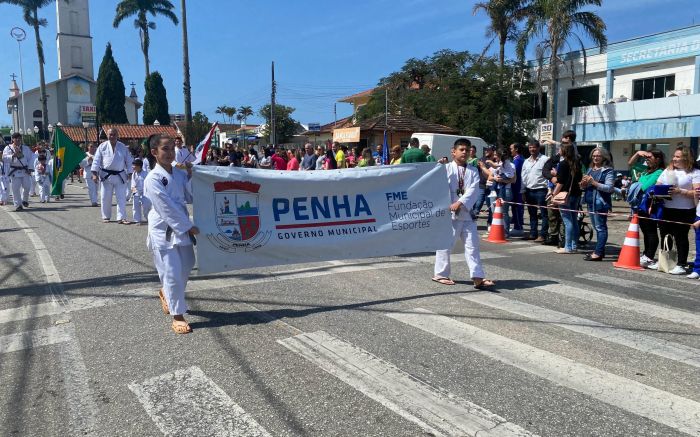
pixel 562 197
pixel 668 258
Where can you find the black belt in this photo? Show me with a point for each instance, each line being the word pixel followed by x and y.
pixel 534 189
pixel 113 173
pixel 169 234
pixel 14 169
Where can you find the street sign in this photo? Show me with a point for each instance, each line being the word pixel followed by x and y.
pixel 348 135
pixel 314 127
pixel 88 113
pixel 546 132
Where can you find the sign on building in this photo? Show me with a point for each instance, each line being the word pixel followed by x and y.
pixel 314 127
pixel 347 135
pixel 88 114
pixel 546 132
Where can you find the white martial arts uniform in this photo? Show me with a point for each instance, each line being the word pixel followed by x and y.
pixel 4 184
pixel 92 186
pixel 43 182
pixel 141 202
pixel 47 154
pixel 168 223
pixel 112 167
pixel 463 225
pixel 183 156
pixel 19 170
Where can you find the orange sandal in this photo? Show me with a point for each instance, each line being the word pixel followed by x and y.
pixel 163 302
pixel 181 327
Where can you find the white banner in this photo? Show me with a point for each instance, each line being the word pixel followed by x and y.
pixel 253 218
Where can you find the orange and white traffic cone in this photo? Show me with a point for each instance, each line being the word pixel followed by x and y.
pixel 498 231
pixel 629 256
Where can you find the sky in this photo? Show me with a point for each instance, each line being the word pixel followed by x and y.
pixel 322 50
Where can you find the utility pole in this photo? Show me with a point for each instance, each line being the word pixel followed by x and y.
pixel 335 115
pixel 273 136
pixel 187 90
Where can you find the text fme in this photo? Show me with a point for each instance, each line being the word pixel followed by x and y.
pixel 307 208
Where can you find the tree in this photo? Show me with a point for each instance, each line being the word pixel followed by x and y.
pixel 555 22
pixel 31 17
pixel 186 89
pixel 199 127
pixel 140 8
pixel 155 102
pixel 221 110
pixel 230 112
pixel 110 91
pixel 245 112
pixel 285 125
pixel 460 90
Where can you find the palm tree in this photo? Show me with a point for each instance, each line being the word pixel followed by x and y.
pixel 505 15
pixel 186 65
pixel 245 112
pixel 230 112
pixel 555 22
pixel 31 17
pixel 139 8
pixel 221 110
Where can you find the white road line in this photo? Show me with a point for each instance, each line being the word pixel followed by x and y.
pixel 661 312
pixel 537 248
pixel 669 409
pixel 433 409
pixel 187 402
pixel 645 343
pixel 82 408
pixel 454 257
pixel 621 282
pixel 32 339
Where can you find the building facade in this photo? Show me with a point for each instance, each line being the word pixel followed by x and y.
pixel 639 94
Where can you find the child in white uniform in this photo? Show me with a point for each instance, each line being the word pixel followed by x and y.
pixel 141 203
pixel 4 184
pixel 170 231
pixel 86 164
pixel 43 177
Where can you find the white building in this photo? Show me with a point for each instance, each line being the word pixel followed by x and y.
pixel 73 94
pixel 642 93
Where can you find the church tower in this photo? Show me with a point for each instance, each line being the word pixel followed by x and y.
pixel 73 39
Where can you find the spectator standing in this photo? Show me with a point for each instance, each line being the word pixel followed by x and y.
pixel 685 180
pixel 266 161
pixel 598 186
pixel 534 186
pixel 278 159
pixel 413 153
pixel 654 165
pixel 329 163
pixel 426 150
pixel 555 235
pixel 377 154
pixel 367 159
pixel 517 211
pixel 473 160
pixel 339 151
pixel 292 160
pixel 484 165
pixel 320 157
pixel 308 162
pixel 569 180
pixel 395 155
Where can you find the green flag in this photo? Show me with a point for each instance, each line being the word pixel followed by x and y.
pixel 66 157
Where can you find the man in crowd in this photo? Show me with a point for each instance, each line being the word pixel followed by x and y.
pixel 426 150
pixel 463 180
pixel 339 155
pixel 483 166
pixel 534 187
pixel 517 211
pixel 377 155
pixel 308 162
pixel 278 162
pixel 413 153
pixel 183 157
pixel 18 161
pixel 112 166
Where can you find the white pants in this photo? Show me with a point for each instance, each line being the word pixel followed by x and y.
pixel 113 185
pixel 20 189
pixel 141 204
pixel 467 232
pixel 174 266
pixel 4 187
pixel 44 191
pixel 92 188
pixel 32 188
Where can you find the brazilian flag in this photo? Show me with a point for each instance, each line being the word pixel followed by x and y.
pixel 67 156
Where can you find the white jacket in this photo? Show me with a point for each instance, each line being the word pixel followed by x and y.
pixel 169 197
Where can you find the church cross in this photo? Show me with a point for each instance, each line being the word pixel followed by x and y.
pixel 13 76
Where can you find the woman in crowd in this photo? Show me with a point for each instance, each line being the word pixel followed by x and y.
pixel 252 158
pixel 684 180
pixel 569 180
pixel 292 160
pixel 395 155
pixel 330 163
pixel 598 187
pixel 655 163
pixel 502 177
pixel 367 158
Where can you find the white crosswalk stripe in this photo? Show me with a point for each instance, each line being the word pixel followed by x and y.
pixel 652 310
pixel 187 402
pixel 635 285
pixel 433 409
pixel 664 348
pixel 36 338
pixel 663 407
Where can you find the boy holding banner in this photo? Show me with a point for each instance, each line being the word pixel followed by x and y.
pixel 464 191
pixel 170 231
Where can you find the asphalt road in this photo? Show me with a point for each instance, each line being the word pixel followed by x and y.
pixel 562 347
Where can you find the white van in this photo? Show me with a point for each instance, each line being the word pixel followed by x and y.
pixel 441 145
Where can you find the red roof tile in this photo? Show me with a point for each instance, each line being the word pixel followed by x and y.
pixel 349 99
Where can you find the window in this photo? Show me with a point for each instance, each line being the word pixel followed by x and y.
pixel 586 96
pixel 74 26
pixel 652 88
pixel 76 55
pixel 36 114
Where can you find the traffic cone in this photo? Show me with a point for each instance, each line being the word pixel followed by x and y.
pixel 629 256
pixel 498 231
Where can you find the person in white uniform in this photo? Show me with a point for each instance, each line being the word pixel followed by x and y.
pixel 182 155
pixel 111 167
pixel 141 205
pixel 4 184
pixel 170 231
pixel 464 192
pixel 18 159
pixel 43 175
pixel 86 165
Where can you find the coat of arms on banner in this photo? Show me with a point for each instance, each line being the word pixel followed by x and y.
pixel 237 216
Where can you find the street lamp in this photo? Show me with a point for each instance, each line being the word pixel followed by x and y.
pixel 36 130
pixel 20 35
pixel 86 125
